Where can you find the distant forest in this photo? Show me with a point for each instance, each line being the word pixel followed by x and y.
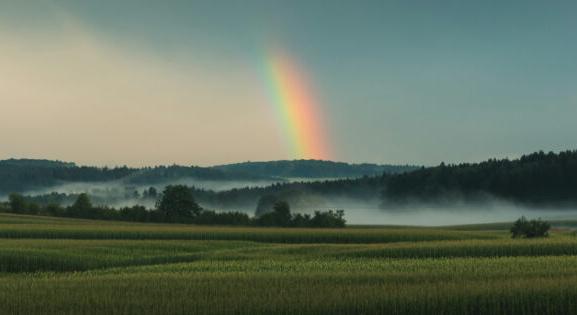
pixel 313 169
pixel 537 179
pixel 176 204
pixel 22 175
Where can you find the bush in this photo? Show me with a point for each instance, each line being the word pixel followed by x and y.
pixel 265 205
pixel 17 203
pixel 177 205
pixel 134 213
pixel 329 219
pixel 529 229
pixel 280 216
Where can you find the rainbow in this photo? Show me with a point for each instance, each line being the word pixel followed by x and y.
pixel 296 108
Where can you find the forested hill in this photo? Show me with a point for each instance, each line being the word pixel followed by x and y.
pixel 22 175
pixel 26 175
pixel 536 179
pixel 314 169
pixel 35 163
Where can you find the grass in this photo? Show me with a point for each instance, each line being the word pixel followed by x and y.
pixel 20 227
pixel 89 267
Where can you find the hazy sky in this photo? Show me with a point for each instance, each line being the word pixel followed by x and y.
pixel 159 82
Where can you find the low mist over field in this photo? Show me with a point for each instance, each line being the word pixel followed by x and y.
pixel 535 185
pixel 420 215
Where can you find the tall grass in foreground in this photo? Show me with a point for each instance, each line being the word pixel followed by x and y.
pixel 69 267
pixel 31 255
pixel 270 235
pixel 242 293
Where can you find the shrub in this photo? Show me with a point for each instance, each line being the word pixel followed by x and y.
pixel 222 218
pixel 329 219
pixel 265 204
pixel 280 216
pixel 529 229
pixel 17 203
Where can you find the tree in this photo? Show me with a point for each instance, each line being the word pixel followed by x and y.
pixel 282 211
pixel 329 219
pixel 535 179
pixel 150 193
pixel 529 229
pixel 54 210
pixel 17 203
pixel 82 207
pixel 33 208
pixel 134 213
pixel 301 220
pixel 177 202
pixel 280 216
pixel 265 204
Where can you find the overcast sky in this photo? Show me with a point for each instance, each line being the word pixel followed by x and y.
pixel 159 82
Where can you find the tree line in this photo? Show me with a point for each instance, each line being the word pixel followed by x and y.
pixel 20 175
pixel 24 175
pixel 313 169
pixel 176 204
pixel 298 194
pixel 535 179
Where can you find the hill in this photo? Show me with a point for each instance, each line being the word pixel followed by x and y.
pixel 313 169
pixel 35 163
pixel 24 175
pixel 27 174
pixel 543 179
pixel 539 179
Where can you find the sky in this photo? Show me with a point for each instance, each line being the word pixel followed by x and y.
pixel 126 82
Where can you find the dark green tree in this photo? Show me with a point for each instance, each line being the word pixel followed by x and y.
pixel 82 207
pixel 18 203
pixel 329 219
pixel 282 211
pixel 530 229
pixel 280 216
pixel 150 193
pixel 54 210
pixel 134 213
pixel 177 203
pixel 265 204
pixel 33 208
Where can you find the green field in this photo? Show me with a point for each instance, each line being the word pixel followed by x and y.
pixel 68 266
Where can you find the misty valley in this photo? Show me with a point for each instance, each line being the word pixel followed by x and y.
pixel 369 194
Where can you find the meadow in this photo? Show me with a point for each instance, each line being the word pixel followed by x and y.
pixel 69 266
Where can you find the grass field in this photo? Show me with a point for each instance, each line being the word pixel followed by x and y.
pixel 67 266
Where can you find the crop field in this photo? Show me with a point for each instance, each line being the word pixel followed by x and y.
pixel 67 266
